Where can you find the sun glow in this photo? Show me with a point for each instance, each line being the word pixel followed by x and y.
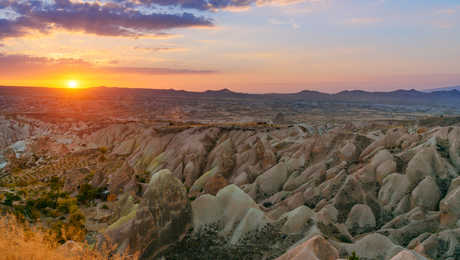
pixel 72 84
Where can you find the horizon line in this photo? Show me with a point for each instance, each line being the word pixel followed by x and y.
pixel 235 92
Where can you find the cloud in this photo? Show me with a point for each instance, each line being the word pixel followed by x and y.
pixel 160 49
pixel 215 5
pixel 18 63
pixel 154 71
pixel 126 18
pixel 109 19
pixel 290 22
pixel 363 20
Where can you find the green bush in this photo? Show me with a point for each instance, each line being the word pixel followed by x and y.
pixel 353 256
pixel 88 193
pixel 10 198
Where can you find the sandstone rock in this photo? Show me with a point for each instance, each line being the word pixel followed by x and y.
pixel 394 188
pixel 162 218
pixel 372 246
pixel 254 220
pixel 360 219
pixel 426 162
pixel 226 210
pixel 384 169
pixel 297 220
pixel 454 149
pixel 390 140
pixel 350 193
pixel 443 245
pixel 296 180
pixel 272 180
pixel 349 152
pixel 215 183
pixel 408 255
pixel 222 157
pixel 316 248
pixel 198 186
pixel 326 220
pixel 426 194
pixel 450 208
pixel 404 228
pixel 125 148
pixel 241 179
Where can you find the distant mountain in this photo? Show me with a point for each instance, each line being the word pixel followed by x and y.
pixel 443 97
pixel 442 89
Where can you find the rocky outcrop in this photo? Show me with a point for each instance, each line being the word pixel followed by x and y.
pixel 296 192
pixel 316 248
pixel 360 219
pixel 231 212
pixel 161 219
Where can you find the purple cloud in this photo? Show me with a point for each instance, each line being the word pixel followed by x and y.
pixel 198 4
pixel 111 19
pixel 31 64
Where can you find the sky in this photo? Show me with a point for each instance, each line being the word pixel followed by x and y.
pixel 255 46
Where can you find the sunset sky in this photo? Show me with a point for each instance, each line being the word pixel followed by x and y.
pixel 244 45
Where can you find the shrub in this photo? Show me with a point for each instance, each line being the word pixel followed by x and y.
pixel 55 183
pixel 353 256
pixel 10 198
pixel 88 193
pixel 21 241
pixel 103 149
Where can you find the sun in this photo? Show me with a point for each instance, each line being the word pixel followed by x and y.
pixel 72 84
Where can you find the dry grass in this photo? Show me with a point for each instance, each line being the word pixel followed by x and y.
pixel 19 241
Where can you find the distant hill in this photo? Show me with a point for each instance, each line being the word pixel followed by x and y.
pixel 442 89
pixel 443 97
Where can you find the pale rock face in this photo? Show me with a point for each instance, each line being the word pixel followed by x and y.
pixel 254 220
pixel 281 171
pixel 350 193
pixel 161 219
pixel 272 180
pixel 109 136
pixel 394 188
pixel 349 152
pixel 408 255
pixel 296 220
pixel 185 153
pixel 222 157
pixel 442 245
pixel 373 246
pixel 385 169
pixel 296 180
pixel 241 179
pixel 426 194
pixel 125 148
pixel 381 165
pixel 198 186
pixel 454 184
pixel 316 248
pixel 454 150
pixel 450 207
pixel 330 187
pixel 426 162
pixel 232 210
pixel 361 219
pixel 390 140
pixel 381 157
pixel 404 228
pixel 150 147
